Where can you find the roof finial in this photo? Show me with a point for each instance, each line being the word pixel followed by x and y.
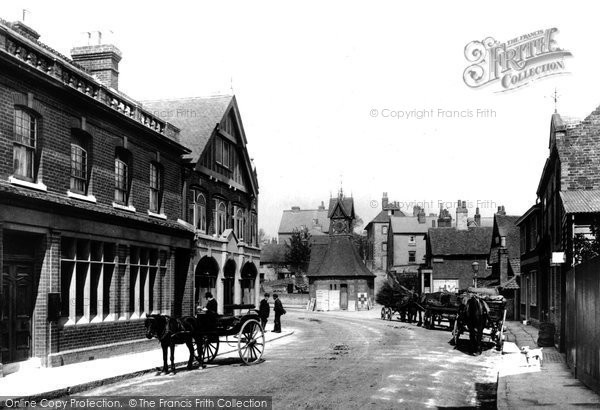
pixel 555 97
pixel 341 195
pixel 231 85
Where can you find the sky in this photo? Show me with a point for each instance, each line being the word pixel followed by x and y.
pixel 318 82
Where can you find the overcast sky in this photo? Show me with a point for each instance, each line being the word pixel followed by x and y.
pixel 307 76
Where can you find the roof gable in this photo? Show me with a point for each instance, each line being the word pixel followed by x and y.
pixel 313 219
pixel 341 207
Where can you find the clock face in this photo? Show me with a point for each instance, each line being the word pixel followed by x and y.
pixel 339 226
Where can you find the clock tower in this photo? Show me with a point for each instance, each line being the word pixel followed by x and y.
pixel 341 215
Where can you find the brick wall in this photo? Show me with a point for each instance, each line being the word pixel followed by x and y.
pixel 455 268
pixel 107 132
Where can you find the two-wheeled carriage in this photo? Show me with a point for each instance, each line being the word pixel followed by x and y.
pixel 242 331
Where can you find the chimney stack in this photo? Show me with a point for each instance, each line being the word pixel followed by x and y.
pixel 421 216
pixel 416 210
pixel 477 217
pixel 445 219
pixel 501 210
pixel 384 201
pixel 322 206
pixel 101 60
pixel 296 209
pixel 462 214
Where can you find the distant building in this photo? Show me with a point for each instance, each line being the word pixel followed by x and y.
pixel 407 246
pixel 451 252
pixel 315 220
pixel 338 278
pixel 505 260
pixel 377 234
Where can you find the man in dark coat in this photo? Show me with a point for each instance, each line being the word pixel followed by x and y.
pixel 208 316
pixel 279 310
pixel 263 311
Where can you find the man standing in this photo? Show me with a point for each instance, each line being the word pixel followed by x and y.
pixel 263 311
pixel 279 310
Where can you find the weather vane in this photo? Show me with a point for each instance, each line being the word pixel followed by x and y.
pixel 555 97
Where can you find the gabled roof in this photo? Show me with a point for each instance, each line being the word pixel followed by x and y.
pixel 294 219
pixel 534 209
pixel 336 256
pixel 197 118
pixel 450 241
pixel 581 201
pixel 345 204
pixel 273 253
pixel 410 224
pixel 505 225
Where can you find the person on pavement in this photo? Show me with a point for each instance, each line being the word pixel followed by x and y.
pixel 279 310
pixel 263 311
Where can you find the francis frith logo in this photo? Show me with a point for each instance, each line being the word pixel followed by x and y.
pixel 514 63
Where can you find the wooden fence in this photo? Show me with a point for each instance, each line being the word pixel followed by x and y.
pixel 582 321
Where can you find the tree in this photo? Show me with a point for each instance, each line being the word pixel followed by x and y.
pixel 297 250
pixel 587 245
pixel 361 244
pixel 262 236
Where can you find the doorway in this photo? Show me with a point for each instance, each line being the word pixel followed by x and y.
pixel 344 296
pixel 16 311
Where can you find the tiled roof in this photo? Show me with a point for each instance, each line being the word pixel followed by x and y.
pixel 410 224
pixel 505 226
pixel 347 205
pixel 511 283
pixel 382 217
pixel 291 220
pixel 196 117
pixel 335 256
pixel 10 193
pixel 581 201
pixel 450 241
pixel 273 253
pixel 515 264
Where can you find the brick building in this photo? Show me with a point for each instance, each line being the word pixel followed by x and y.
pixel 220 194
pixel 90 196
pixel 451 252
pixel 533 300
pixel 377 234
pixel 568 200
pixel 338 278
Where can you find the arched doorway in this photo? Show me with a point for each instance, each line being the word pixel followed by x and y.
pixel 228 281
pixel 248 280
pixel 205 279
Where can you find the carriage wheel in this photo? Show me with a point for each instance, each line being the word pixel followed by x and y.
pixel 251 342
pixel 383 313
pixel 210 348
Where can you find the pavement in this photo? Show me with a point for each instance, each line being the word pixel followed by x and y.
pixel 551 385
pixel 53 382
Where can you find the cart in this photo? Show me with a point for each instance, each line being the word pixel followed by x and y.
pixel 242 331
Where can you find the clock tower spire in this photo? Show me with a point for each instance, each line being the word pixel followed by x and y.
pixel 341 214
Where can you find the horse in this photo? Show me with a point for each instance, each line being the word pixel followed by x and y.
pixel 409 307
pixel 171 331
pixel 472 313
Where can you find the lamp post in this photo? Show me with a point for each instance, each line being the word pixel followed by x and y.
pixel 475 267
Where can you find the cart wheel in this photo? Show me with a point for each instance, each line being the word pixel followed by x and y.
pixel 383 313
pixel 210 349
pixel 251 342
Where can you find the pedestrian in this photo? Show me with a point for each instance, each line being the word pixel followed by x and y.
pixel 263 311
pixel 279 310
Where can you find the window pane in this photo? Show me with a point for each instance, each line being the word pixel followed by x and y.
pixel 120 181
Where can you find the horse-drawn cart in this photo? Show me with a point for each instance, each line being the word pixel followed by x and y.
pixel 440 306
pixel 205 332
pixel 483 314
pixel 242 331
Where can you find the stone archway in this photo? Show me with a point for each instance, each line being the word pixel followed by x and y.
pixel 248 282
pixel 205 280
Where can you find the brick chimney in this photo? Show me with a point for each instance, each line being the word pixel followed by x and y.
pixel 384 201
pixel 295 209
pixel 462 214
pixel 501 210
pixel 101 60
pixel 477 217
pixel 421 216
pixel 322 206
pixel 444 219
